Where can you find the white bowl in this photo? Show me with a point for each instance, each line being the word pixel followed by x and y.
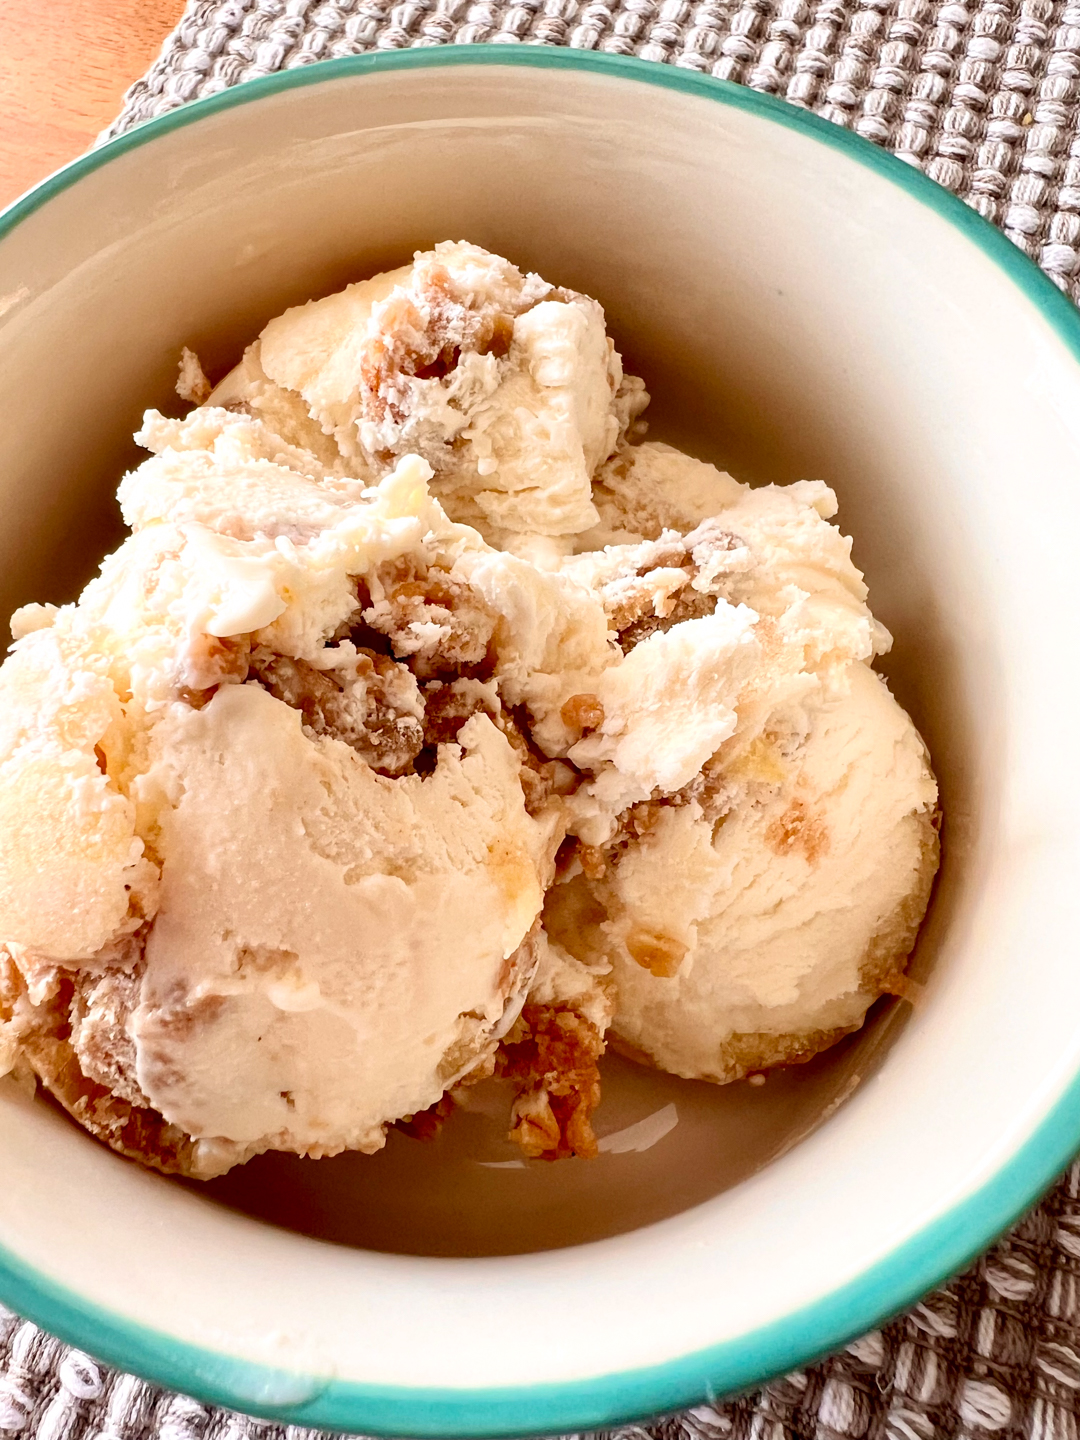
pixel 802 304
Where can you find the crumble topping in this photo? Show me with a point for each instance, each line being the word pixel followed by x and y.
pixel 426 1124
pixel 423 331
pixel 656 952
pixel 449 703
pixel 100 1006
pixel 551 1056
pixel 440 623
pixel 583 712
pixel 371 703
pixel 652 586
pixel 798 828
pixel 192 384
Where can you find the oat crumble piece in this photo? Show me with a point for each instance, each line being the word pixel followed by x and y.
pixel 550 1055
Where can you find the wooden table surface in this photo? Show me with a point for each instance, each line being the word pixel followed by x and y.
pixel 64 66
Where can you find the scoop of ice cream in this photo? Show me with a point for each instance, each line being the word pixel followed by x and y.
pixel 507 386
pixel 756 924
pixel 312 863
pixel 333 948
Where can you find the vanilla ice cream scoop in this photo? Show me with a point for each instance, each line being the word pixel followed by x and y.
pixel 752 898
pixel 507 386
pixel 333 948
pixel 757 925
pixel 269 872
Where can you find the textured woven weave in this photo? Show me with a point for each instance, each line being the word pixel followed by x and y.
pixel 986 99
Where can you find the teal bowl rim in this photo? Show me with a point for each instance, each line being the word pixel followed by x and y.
pixel 939 1250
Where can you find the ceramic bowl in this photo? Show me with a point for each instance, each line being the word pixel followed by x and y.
pixel 800 304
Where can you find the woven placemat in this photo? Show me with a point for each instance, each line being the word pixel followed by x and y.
pixel 986 99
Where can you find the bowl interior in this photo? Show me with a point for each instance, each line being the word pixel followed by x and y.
pixel 719 379
pixel 795 314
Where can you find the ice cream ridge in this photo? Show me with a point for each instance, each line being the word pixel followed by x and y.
pixel 432 724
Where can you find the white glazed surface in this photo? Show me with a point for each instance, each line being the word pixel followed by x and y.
pixel 854 335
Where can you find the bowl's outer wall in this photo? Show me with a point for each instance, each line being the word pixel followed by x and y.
pixel 797 313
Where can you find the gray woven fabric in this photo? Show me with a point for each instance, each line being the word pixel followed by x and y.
pixel 986 99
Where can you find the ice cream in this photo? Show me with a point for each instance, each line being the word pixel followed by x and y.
pixel 506 385
pixel 431 724
pixel 755 925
